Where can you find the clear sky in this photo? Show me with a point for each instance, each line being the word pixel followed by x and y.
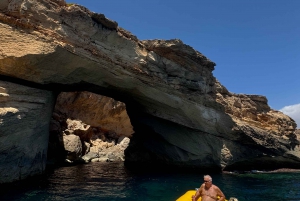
pixel 255 44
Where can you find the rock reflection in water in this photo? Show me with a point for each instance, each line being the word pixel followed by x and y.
pixel 95 179
pixel 115 182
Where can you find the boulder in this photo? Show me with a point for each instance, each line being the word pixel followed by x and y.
pixel 73 147
pixel 89 156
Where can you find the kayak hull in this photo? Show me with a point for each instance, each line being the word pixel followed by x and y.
pixel 188 196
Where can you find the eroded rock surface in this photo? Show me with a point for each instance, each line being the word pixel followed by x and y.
pixel 25 115
pixel 96 111
pixel 79 142
pixel 88 127
pixel 180 113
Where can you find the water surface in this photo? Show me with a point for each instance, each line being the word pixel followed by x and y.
pixel 114 182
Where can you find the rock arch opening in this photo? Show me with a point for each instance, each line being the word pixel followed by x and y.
pixel 88 127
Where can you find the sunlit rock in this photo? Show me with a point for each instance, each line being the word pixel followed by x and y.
pixel 73 147
pixel 100 122
pixel 181 115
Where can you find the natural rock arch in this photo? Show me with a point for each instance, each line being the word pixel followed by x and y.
pixel 88 127
pixel 181 114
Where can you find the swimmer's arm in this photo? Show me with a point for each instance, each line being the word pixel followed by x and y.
pixel 221 194
pixel 197 194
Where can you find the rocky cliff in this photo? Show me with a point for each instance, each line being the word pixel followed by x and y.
pixel 180 113
pixel 25 115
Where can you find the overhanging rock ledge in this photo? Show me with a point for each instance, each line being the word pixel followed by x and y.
pixel 180 113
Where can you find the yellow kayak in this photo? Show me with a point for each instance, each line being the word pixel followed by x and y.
pixel 188 196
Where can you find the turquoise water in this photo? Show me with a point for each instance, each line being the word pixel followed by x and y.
pixel 114 182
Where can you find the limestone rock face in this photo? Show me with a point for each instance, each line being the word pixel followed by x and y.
pixel 179 65
pixel 97 121
pixel 180 113
pixel 96 111
pixel 25 114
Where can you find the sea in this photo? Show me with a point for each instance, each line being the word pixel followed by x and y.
pixel 114 181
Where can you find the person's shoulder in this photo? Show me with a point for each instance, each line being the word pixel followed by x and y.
pixel 216 187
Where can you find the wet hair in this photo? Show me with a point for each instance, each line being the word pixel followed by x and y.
pixel 208 177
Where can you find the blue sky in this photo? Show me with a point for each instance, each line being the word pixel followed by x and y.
pixel 255 44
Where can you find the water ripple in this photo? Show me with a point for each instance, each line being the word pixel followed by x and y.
pixel 114 182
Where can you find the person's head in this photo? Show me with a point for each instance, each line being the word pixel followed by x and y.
pixel 207 180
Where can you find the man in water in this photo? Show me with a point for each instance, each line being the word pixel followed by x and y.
pixel 208 191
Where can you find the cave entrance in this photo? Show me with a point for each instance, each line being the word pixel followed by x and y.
pixel 88 127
